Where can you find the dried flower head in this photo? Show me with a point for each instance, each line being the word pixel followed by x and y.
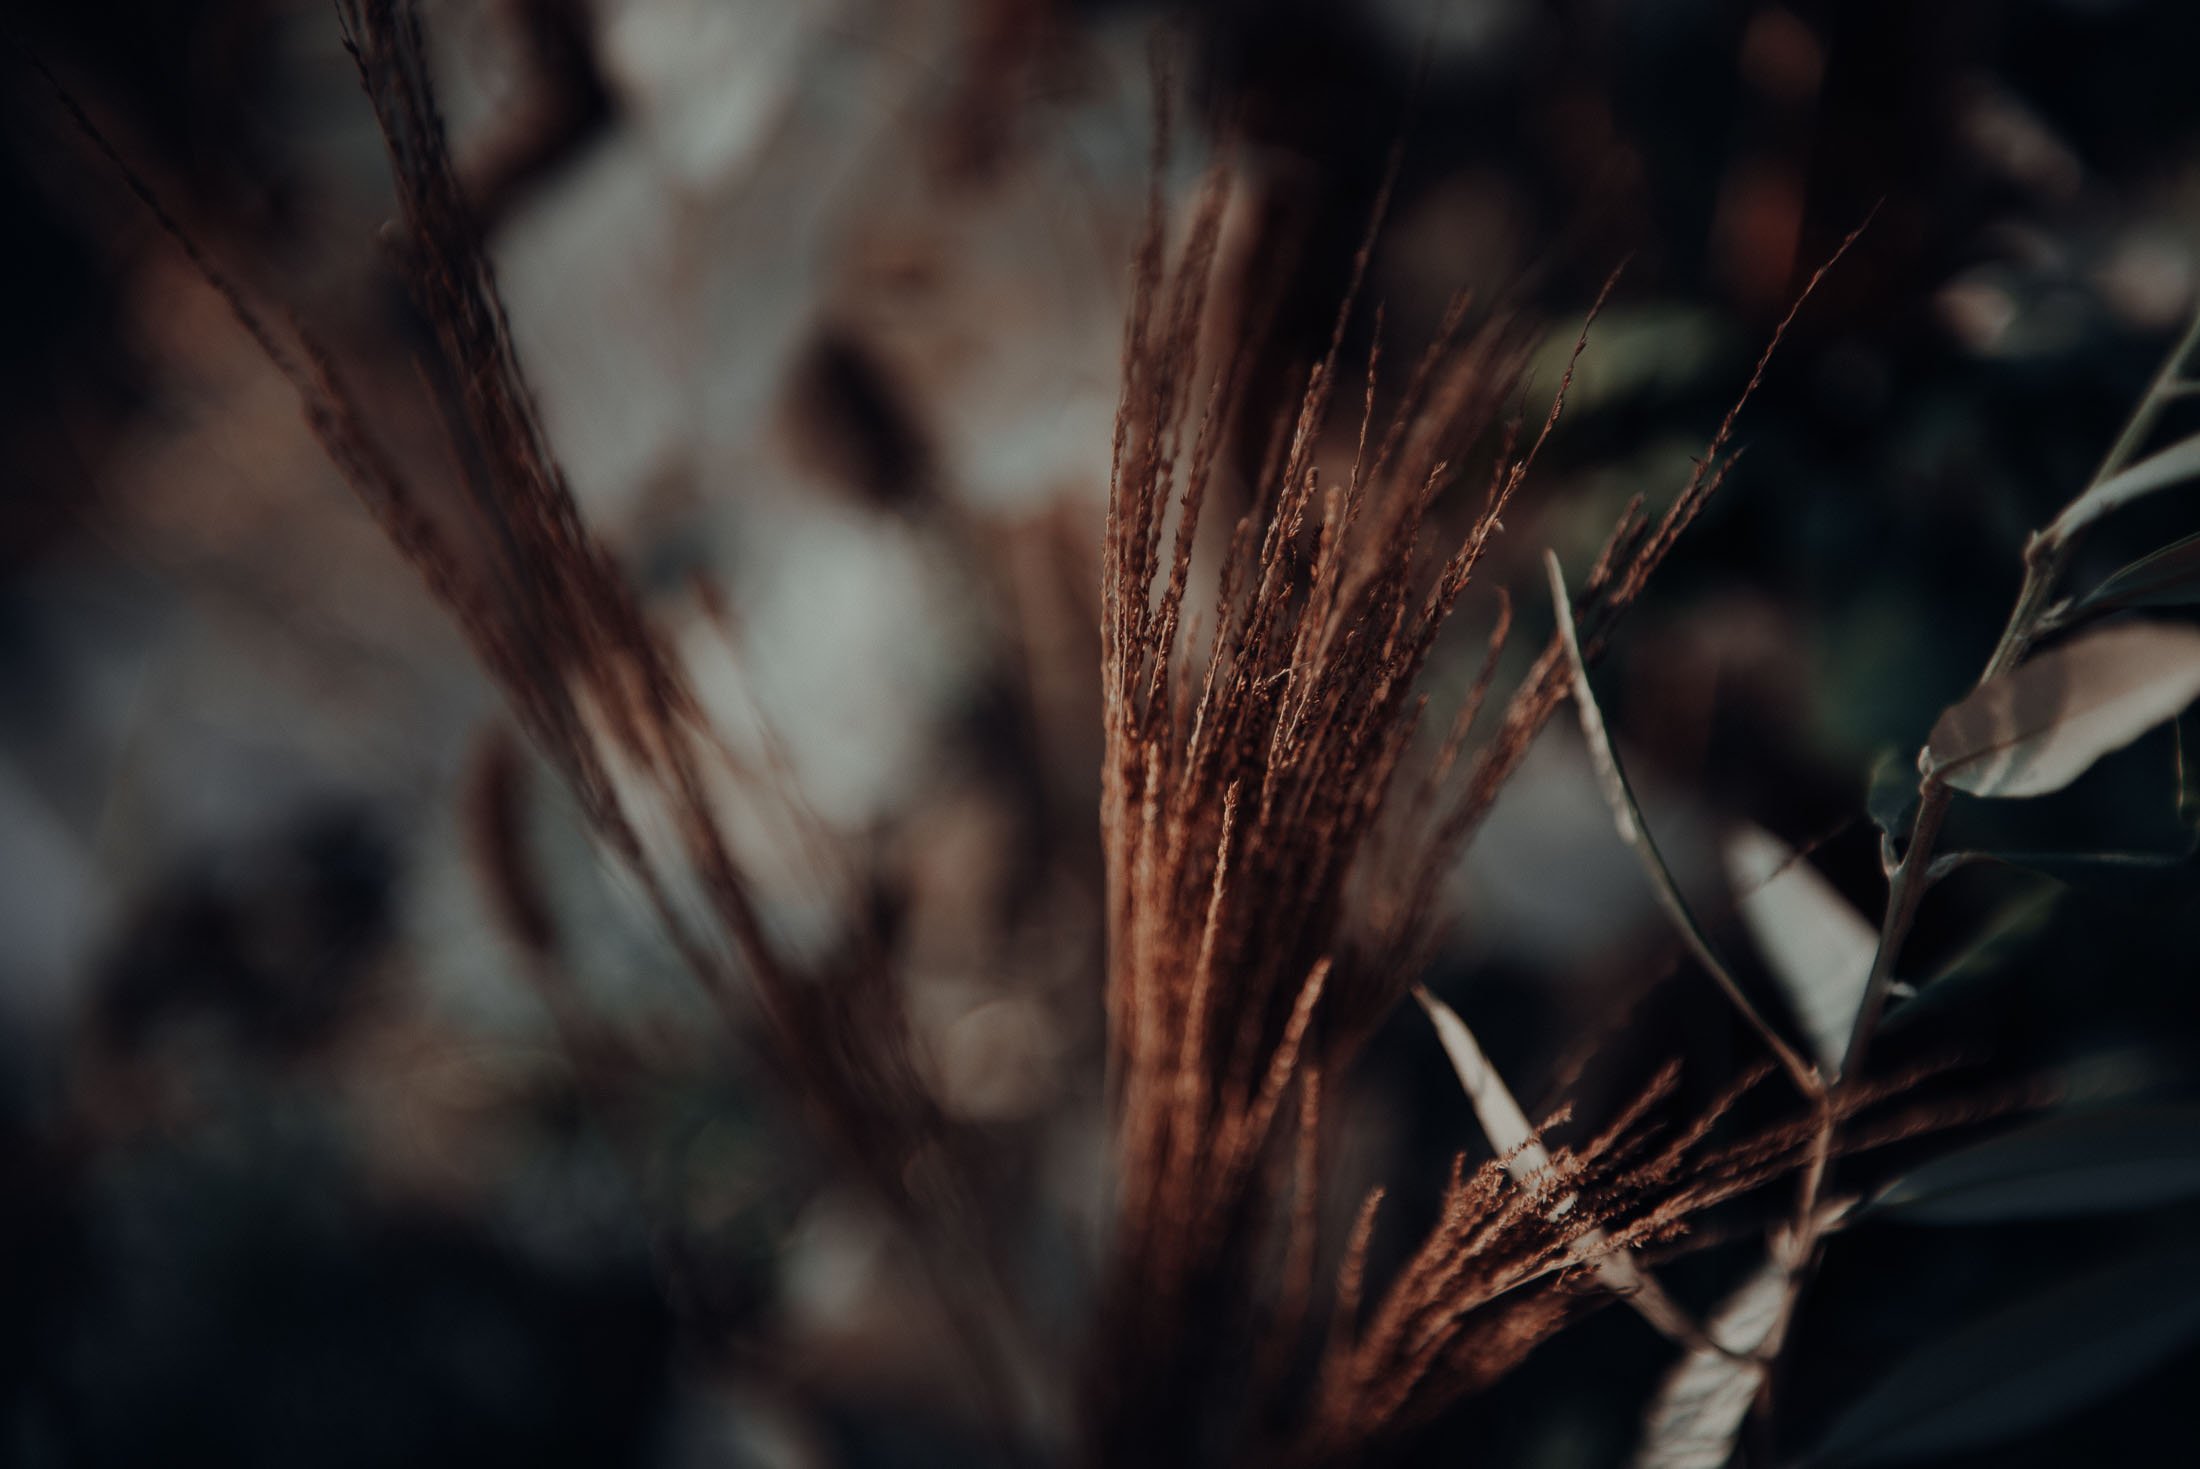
pixel 1266 903
pixel 1247 772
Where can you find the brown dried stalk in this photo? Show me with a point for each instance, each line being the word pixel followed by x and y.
pixel 1243 787
pixel 1253 938
pixel 556 623
pixel 552 619
pixel 591 681
pixel 1510 1262
pixel 1632 553
pixel 1433 1338
pixel 1256 934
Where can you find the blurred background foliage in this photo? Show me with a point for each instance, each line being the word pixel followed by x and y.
pixel 823 301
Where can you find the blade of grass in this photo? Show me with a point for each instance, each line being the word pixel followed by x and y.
pixel 1627 816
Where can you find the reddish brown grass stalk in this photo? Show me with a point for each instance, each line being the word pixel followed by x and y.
pixel 1266 906
pixel 1245 780
pixel 1253 937
pixel 592 682
pixel 1509 1263
pixel 556 623
pixel 552 619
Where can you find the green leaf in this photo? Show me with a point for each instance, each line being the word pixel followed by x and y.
pixel 2128 876
pixel 2023 1367
pixel 2174 465
pixel 2015 923
pixel 2081 1163
pixel 1983 957
pixel 1891 798
pixel 2040 726
pixel 1819 947
pixel 2169 577
pixel 2140 871
pixel 1697 1415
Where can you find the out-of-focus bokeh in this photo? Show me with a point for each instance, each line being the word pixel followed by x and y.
pixel 823 303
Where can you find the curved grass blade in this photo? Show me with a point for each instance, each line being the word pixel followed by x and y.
pixel 1627 816
pixel 2169 577
pixel 2172 466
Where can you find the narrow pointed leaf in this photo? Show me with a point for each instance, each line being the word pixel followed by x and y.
pixel 1627 817
pixel 1820 948
pixel 2126 875
pixel 2039 727
pixel 1513 1137
pixel 2172 466
pixel 2023 1367
pixel 1507 1127
pixel 2083 1163
pixel 1697 1415
pixel 1981 958
pixel 2015 922
pixel 2168 578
